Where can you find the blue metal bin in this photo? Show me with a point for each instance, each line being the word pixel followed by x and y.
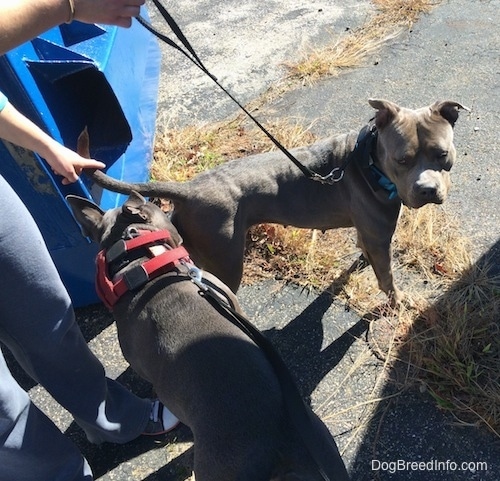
pixel 76 76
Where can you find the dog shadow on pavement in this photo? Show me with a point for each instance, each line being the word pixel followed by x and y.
pixel 408 424
pixel 301 342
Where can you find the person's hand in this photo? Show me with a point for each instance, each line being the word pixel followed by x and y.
pixel 22 20
pixel 69 164
pixel 111 12
pixel 18 129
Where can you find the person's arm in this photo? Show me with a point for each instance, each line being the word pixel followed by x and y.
pixel 18 129
pixel 22 20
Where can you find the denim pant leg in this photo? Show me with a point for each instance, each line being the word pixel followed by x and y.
pixel 37 324
pixel 31 446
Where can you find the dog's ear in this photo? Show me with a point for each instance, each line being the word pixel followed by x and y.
pixel 386 111
pixel 88 215
pixel 133 206
pixel 135 200
pixel 83 144
pixel 448 110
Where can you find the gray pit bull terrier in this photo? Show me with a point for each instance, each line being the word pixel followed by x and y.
pixel 403 157
pixel 210 374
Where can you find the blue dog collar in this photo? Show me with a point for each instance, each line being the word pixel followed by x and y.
pixel 384 182
pixel 365 154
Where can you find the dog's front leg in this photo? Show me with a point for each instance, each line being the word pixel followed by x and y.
pixel 378 253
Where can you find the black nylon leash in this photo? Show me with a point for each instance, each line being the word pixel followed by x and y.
pixel 188 51
pixel 319 443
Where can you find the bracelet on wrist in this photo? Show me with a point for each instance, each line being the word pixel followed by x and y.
pixel 71 11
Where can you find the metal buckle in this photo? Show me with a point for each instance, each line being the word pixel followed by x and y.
pixel 336 175
pixel 196 276
pixel 131 232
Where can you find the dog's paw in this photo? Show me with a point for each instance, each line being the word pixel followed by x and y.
pixel 401 299
pixel 395 297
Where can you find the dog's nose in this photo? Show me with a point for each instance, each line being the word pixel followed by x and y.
pixel 427 191
pixel 429 194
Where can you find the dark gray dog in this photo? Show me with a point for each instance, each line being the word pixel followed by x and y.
pixel 203 368
pixel 404 158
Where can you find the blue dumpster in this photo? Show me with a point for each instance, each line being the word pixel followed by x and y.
pixel 76 76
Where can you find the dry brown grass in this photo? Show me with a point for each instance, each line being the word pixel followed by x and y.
pixel 354 47
pixel 426 242
pixel 459 348
pixel 182 153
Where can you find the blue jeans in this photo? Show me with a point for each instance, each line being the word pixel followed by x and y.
pixel 37 324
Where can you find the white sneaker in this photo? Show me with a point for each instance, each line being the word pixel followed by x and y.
pixel 161 420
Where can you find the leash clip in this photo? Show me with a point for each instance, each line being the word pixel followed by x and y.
pixel 131 232
pixel 336 175
pixel 196 276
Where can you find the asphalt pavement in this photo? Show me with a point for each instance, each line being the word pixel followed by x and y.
pixel 451 53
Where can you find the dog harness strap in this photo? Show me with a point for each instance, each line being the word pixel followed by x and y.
pixel 110 292
pixel 104 285
pixel 138 276
pixel 145 237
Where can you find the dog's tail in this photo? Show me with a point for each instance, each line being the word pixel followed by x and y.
pixel 174 191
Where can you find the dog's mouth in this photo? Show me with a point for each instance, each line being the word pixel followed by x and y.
pixel 425 191
pixel 416 202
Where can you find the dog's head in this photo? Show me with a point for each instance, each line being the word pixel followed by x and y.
pixel 415 149
pixel 107 227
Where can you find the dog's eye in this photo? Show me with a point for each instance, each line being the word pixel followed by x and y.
pixel 403 160
pixel 447 163
pixel 444 159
